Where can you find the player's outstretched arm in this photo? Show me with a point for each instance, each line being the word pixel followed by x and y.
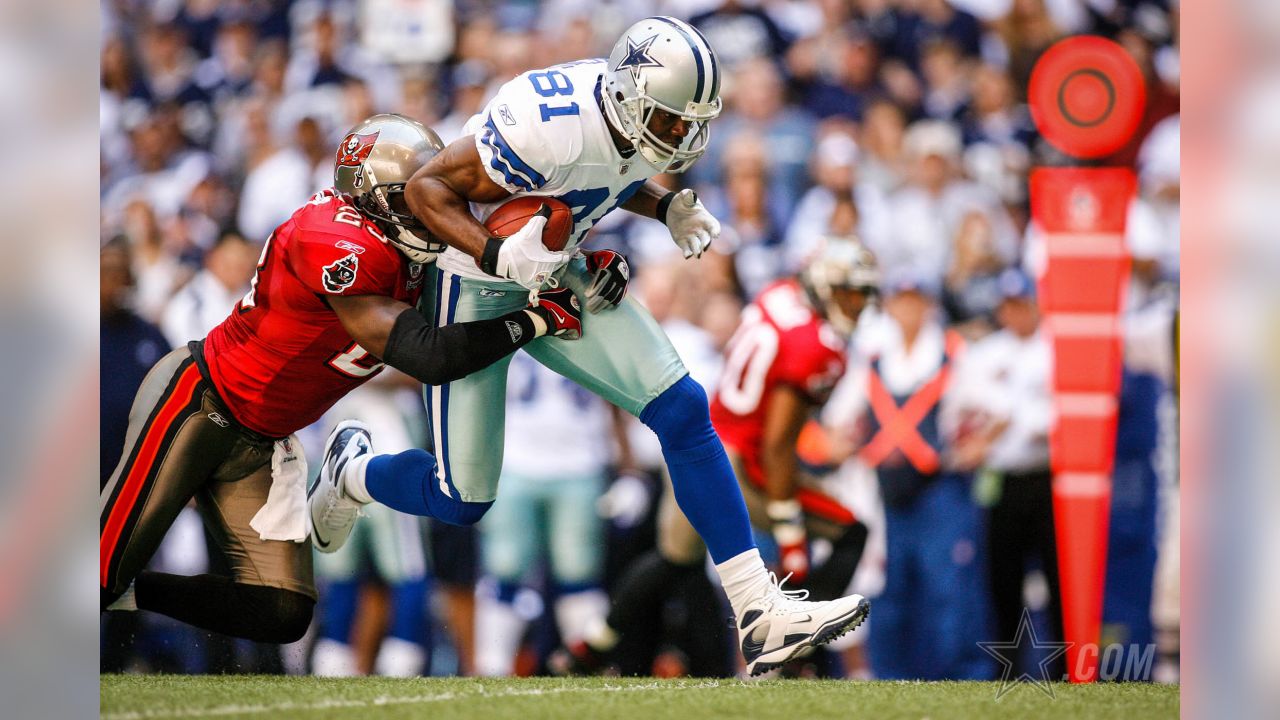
pixel 440 192
pixel 401 337
pixel 692 226
pixel 787 412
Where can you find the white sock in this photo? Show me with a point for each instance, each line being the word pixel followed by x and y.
pixel 499 630
pixel 744 578
pixel 600 636
pixel 398 657
pixel 353 479
pixel 577 612
pixel 332 659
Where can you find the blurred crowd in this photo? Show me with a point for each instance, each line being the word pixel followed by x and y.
pixel 900 122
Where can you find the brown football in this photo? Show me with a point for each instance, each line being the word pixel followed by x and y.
pixel 513 214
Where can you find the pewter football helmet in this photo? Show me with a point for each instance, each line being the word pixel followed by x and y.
pixel 375 160
pixel 662 63
pixel 839 263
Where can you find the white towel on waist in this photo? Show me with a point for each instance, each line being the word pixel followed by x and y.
pixel 284 516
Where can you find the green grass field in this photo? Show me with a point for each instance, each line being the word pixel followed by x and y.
pixel 137 697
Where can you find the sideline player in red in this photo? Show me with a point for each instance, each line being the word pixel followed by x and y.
pixel 780 367
pixel 331 304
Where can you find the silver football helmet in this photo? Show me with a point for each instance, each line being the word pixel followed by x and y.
pixel 662 63
pixel 840 263
pixel 375 160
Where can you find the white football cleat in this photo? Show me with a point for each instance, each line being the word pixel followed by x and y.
pixel 333 511
pixel 782 625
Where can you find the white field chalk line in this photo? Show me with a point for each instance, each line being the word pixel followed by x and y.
pixel 384 701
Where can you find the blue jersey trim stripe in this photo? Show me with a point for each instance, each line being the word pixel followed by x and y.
pixel 500 164
pixel 697 57
pixel 512 159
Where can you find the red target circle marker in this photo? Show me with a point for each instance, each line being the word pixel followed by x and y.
pixel 1087 96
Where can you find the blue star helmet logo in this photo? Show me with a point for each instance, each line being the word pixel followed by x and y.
pixel 638 55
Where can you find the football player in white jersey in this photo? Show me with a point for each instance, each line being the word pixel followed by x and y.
pixel 557 446
pixel 592 133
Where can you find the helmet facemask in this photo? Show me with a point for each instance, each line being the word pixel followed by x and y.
pixel 385 204
pixel 633 115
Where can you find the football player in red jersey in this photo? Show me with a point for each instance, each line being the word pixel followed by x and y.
pixel 780 368
pixel 331 304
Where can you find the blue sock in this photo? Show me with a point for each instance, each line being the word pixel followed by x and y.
pixel 406 482
pixel 338 610
pixel 409 611
pixel 705 486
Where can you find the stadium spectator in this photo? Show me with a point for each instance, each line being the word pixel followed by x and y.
pixel 757 105
pixel 469 81
pixel 882 164
pixel 1024 33
pixel 212 293
pixel 752 233
pixel 1152 230
pixel 839 204
pixel 740 31
pixel 920 22
pixel 229 70
pixel 928 212
pixel 837 72
pixel 285 179
pixel 129 347
pixel 946 81
pixel 891 404
pixel 1003 398
pixel 157 271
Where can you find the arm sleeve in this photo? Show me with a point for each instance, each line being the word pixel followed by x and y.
pixel 437 355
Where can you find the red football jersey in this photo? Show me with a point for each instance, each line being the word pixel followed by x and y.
pixel 282 358
pixel 781 341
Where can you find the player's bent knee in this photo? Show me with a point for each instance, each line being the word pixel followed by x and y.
pixel 282 616
pixel 681 415
pixel 460 512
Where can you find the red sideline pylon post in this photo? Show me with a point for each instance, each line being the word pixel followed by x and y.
pixel 1082 214
pixel 1086 97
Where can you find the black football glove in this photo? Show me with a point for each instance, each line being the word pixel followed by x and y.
pixel 609 281
pixel 561 311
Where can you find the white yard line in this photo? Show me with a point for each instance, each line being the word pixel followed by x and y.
pixel 481 692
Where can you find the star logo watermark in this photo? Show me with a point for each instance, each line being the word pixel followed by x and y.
pixel 638 55
pixel 1008 652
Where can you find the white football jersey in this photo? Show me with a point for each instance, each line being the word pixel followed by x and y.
pixel 555 427
pixel 545 133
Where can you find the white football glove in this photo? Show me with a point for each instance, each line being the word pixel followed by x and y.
pixel 691 226
pixel 524 259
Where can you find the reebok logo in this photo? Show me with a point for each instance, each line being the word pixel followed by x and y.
pixel 219 420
